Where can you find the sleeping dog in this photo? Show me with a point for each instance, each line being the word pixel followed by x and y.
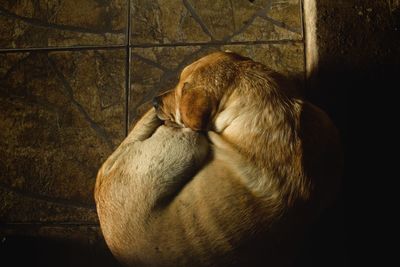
pixel 228 169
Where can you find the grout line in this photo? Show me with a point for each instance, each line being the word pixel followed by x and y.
pixel 219 43
pixel 61 48
pixel 128 69
pixel 111 47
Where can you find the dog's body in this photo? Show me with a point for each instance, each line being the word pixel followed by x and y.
pixel 166 197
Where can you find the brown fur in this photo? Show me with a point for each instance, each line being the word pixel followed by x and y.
pixel 274 163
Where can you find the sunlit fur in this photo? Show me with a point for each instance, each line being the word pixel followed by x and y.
pixel 251 166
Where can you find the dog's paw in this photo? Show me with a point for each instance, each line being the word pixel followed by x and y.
pixel 145 127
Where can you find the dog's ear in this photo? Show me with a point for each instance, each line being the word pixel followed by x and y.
pixel 196 108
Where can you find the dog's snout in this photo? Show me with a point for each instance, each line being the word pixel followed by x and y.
pixel 156 102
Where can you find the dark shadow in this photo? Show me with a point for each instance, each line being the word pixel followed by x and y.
pixel 359 45
pixel 36 251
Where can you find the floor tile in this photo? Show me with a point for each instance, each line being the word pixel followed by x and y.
pixel 62 114
pixel 205 21
pixel 47 23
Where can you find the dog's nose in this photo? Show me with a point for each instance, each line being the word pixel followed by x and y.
pixel 156 102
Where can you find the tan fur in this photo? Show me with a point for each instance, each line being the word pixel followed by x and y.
pixel 166 197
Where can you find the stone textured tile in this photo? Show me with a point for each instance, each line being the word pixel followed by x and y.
pixel 61 115
pixel 156 69
pixel 49 23
pixel 287 12
pixel 164 22
pixel 203 21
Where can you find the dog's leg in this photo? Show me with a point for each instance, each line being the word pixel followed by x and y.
pixel 155 161
pixel 168 159
pixel 144 128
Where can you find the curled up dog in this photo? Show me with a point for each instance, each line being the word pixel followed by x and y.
pixel 228 169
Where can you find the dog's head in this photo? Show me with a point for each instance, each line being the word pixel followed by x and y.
pixel 195 100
